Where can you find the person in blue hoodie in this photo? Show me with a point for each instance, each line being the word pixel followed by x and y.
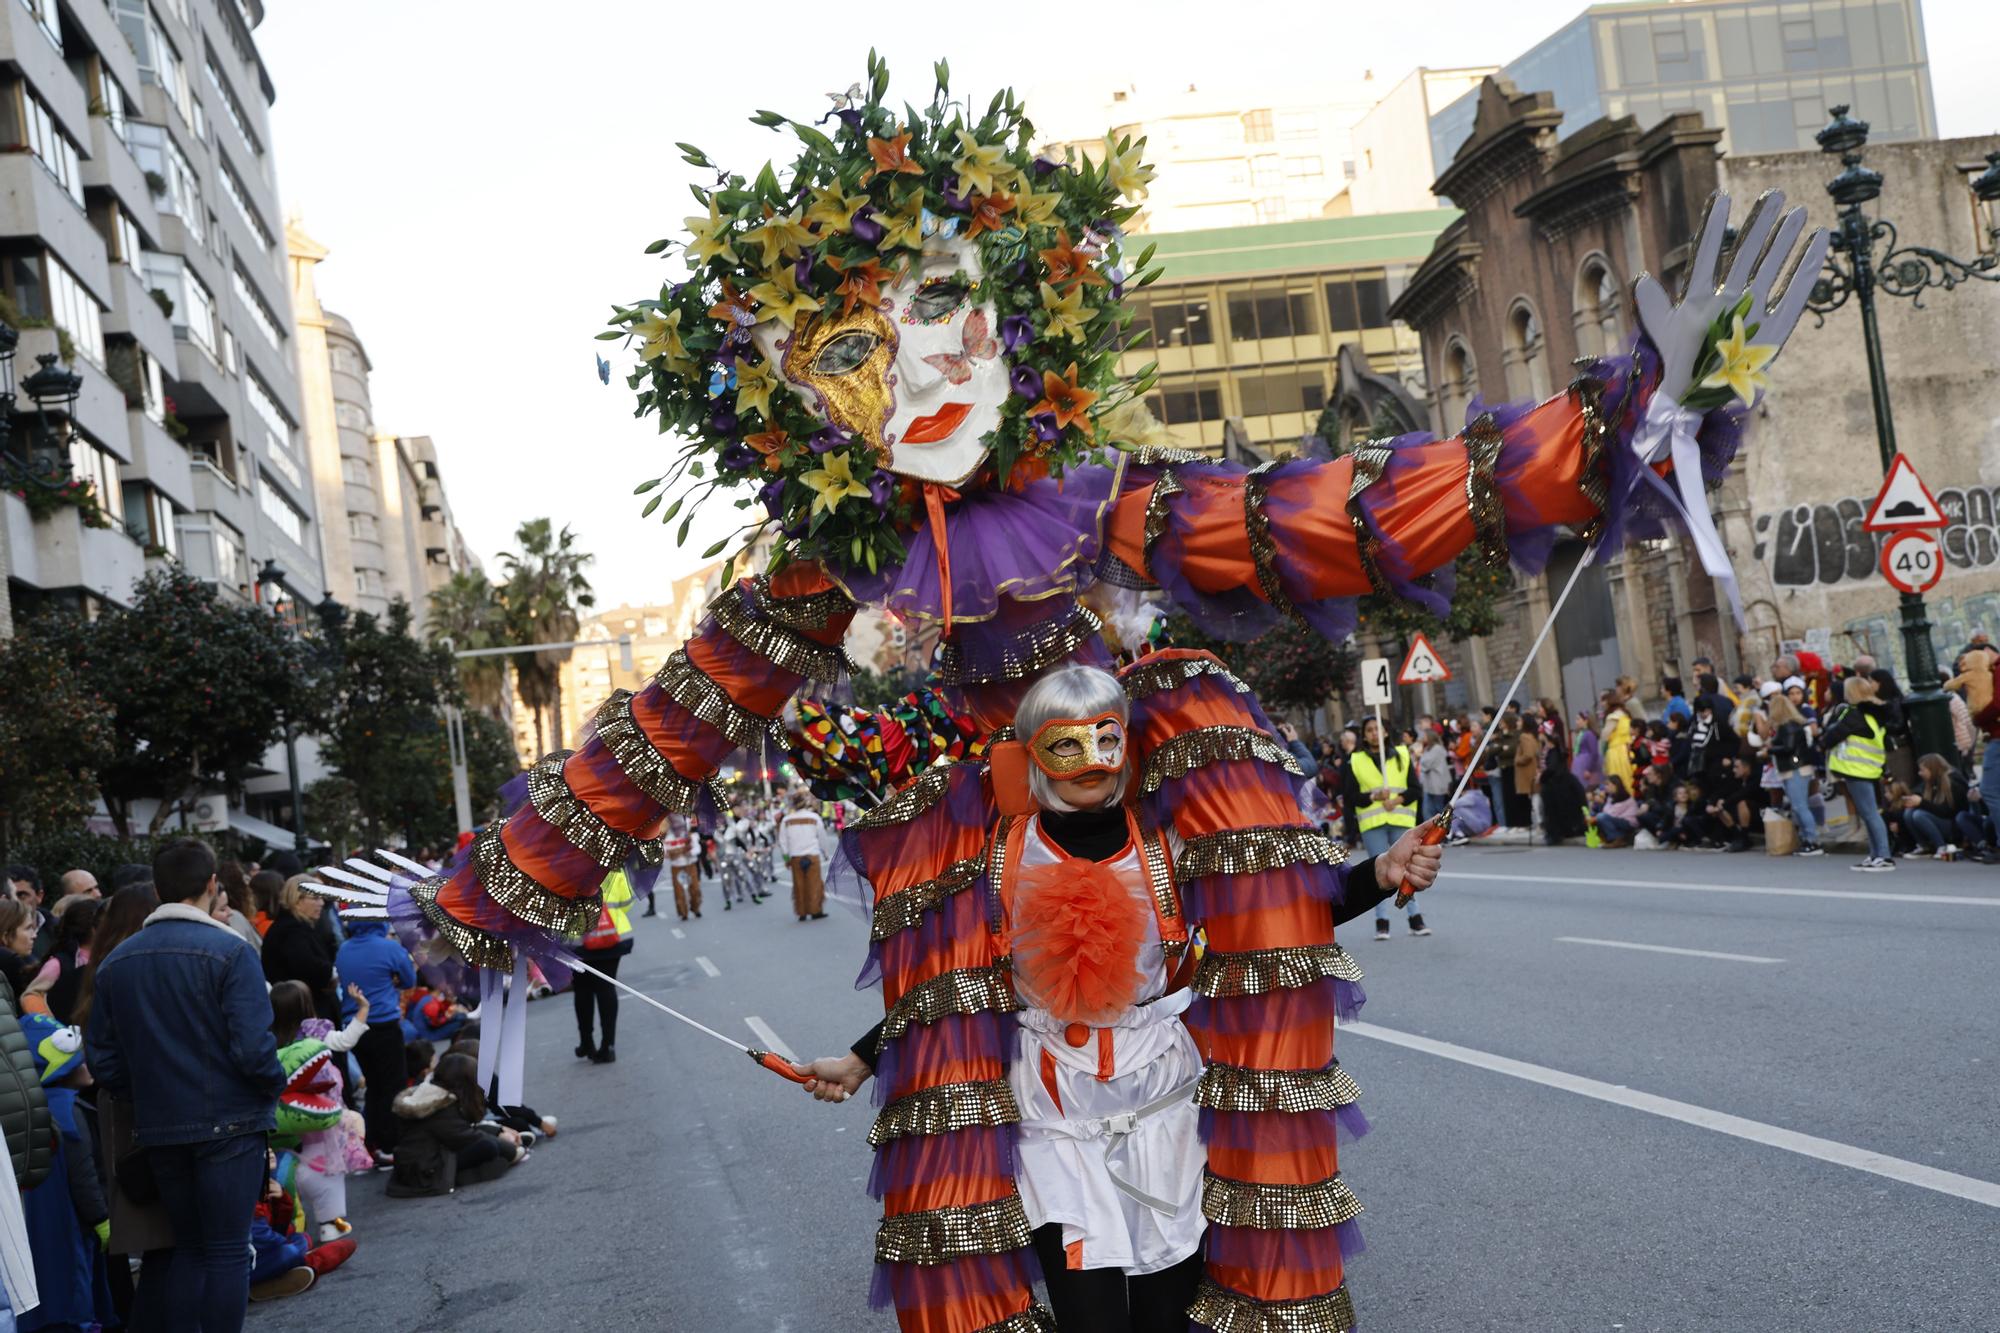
pixel 373 961
pixel 68 1223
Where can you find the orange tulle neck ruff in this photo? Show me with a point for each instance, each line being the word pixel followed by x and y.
pixel 1077 929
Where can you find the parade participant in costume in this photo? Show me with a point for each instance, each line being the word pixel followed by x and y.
pixel 682 866
pixel 799 836
pixel 68 1221
pixel 904 345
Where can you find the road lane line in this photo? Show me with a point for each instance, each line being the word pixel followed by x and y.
pixel 706 966
pixel 680 934
pixel 772 1041
pixel 1806 1145
pixel 1761 889
pixel 1667 948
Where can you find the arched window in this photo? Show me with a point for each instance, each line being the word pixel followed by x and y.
pixel 1596 317
pixel 1458 385
pixel 1527 354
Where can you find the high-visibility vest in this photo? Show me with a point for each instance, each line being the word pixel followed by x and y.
pixel 1369 779
pixel 614 922
pixel 1861 756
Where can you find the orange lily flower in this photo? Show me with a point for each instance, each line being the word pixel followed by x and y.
pixel 1063 398
pixel 863 282
pixel 891 158
pixel 989 212
pixel 735 308
pixel 1068 265
pixel 768 442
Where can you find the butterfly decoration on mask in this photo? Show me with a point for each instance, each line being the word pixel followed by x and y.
pixel 720 381
pixel 933 225
pixel 976 344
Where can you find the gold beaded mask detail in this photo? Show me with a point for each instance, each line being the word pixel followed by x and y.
pixel 1067 747
pixel 844 360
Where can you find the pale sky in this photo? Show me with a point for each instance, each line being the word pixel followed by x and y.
pixel 488 174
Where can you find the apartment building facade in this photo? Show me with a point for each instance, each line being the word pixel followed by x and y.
pixel 139 244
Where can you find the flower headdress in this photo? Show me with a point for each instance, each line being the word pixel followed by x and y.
pixel 849 217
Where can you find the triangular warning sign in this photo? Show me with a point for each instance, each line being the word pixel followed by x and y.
pixel 1903 502
pixel 1423 665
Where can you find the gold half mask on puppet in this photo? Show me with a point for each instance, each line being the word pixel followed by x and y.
pixel 1068 747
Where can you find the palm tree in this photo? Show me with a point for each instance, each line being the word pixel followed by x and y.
pixel 466 612
pixel 544 589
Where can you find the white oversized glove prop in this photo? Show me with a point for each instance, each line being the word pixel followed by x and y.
pixel 1709 332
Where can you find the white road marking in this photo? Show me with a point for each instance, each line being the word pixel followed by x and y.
pixel 1667 948
pixel 1765 890
pixel 680 934
pixel 1806 1145
pixel 772 1041
pixel 706 966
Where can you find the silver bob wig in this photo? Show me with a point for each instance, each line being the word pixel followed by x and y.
pixel 1071 691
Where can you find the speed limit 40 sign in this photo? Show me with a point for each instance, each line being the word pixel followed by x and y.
pixel 1912 561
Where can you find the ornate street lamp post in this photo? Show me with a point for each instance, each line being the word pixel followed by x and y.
pixel 271 588
pixel 1853 269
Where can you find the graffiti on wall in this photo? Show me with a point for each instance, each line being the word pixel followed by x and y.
pixel 1954 620
pixel 1825 543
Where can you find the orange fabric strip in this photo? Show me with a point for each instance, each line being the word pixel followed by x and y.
pixel 1107 1056
pixel 958 1191
pixel 964 1314
pixel 1429 515
pixel 1276 1283
pixel 1073 1255
pixel 1215 548
pixel 1125 529
pixel 1049 1079
pixel 1320 534
pixel 1299 1166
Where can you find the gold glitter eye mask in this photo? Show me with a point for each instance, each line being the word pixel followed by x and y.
pixel 1067 747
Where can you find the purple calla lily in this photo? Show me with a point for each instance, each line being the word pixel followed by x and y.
pixel 1024 381
pixel 738 457
pixel 772 493
pixel 1016 330
pixel 864 226
pixel 881 486
pixel 829 437
pixel 1046 429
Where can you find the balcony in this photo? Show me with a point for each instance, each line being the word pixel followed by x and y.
pixel 111 167
pixel 60 554
pixel 159 460
pixel 135 311
pixel 34 207
pixel 100 403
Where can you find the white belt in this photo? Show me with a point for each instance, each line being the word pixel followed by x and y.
pixel 1115 1129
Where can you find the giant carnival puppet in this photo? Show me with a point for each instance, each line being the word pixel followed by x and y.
pixel 898 350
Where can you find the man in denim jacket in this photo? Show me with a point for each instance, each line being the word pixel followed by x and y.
pixel 181 1028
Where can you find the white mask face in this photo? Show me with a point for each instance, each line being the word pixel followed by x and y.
pixel 922 379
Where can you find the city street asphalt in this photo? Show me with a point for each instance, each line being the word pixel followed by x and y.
pixel 1615 1091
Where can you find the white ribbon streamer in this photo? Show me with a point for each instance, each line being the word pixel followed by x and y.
pixel 1668 431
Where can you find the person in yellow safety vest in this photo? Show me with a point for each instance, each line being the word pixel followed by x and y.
pixel 607 941
pixel 1857 745
pixel 1382 803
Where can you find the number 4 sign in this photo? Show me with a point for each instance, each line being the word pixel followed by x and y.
pixel 1912 561
pixel 1375 679
pixel 1423 665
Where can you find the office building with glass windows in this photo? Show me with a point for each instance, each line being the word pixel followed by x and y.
pixel 1763 72
pixel 1248 325
pixel 140 243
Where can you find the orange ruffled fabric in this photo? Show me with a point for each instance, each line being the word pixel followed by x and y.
pixel 1078 926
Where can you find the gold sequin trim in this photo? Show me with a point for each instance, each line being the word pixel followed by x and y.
pixel 652 854
pixel 638 759
pixel 940 1235
pixel 1246 851
pixel 996 870
pixel 476 947
pixel 517 891
pixel 1370 461
pixel 1226 1311
pixel 1163 455
pixel 1263 550
pixel 549 793
pixel 1180 755
pixel 969 990
pixel 1595 483
pixel 781 645
pixel 1165 488
pixel 1160 878
pixel 1261 971
pixel 1150 678
pixel 1314 1207
pixel 813 611
pixel 689 686
pixel 1036 1318
pixel 1034 648
pixel 906 907
pixel 944 1109
pixel 1482 495
pixel 911 801
pixel 1292 1091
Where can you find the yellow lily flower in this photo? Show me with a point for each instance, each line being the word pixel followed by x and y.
pixel 1065 311
pixel 833 207
pixel 832 481
pixel 1125 172
pixel 781 298
pixel 1037 207
pixel 708 236
pixel 660 336
pixel 905 227
pixel 754 387
pixel 782 236
pixel 983 167
pixel 1743 362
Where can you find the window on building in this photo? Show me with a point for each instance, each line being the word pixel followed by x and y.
pixel 1271 208
pixel 1347 171
pixel 126 244
pixel 1342 316
pixel 253 306
pixel 176 187
pixel 193 304
pixel 1596 313
pixel 265 405
pixel 362 527
pixel 112 103
pixel 1298 124
pixel 230 565
pixel 159 63
pixel 36 127
pixel 1527 361
pixel 46 18
pixel 233 108
pixel 232 186
pixel 42 287
pixel 1268 172
pixel 1304 168
pixel 91 462
pixel 356 471
pixel 1184 323
pixel 152 513
pixel 1185 404
pixel 1677 55
pixel 1257 127
pixel 283 514
pixel 353 416
pixel 1270 314
pixel 1458 386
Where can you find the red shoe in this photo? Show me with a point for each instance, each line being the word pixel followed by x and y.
pixel 323 1259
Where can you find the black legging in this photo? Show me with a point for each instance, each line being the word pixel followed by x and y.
pixel 380 1055
pixel 585 988
pixel 1106 1300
